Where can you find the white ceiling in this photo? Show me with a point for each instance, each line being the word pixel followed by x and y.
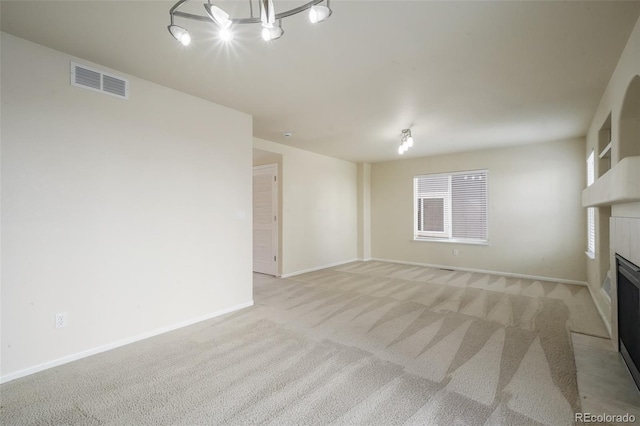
pixel 462 75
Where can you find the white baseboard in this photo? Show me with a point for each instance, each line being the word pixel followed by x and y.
pixel 482 271
pixel 304 271
pixel 605 320
pixel 116 344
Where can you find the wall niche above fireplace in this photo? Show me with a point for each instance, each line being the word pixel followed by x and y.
pixel 620 183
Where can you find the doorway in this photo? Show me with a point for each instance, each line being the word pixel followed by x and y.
pixel 265 219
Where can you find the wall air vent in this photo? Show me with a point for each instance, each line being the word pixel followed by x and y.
pixel 98 81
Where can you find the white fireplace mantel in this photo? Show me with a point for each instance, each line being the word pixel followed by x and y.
pixel 619 185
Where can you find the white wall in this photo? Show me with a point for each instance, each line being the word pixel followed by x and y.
pixel 319 208
pixel 536 221
pixel 132 216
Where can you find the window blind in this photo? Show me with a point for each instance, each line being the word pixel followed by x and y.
pixel 591 211
pixel 591 231
pixel 433 206
pixel 451 206
pixel 469 205
pixel 432 211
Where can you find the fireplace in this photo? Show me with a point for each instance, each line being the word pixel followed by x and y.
pixel 628 276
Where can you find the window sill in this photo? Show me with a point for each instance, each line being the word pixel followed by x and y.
pixel 591 256
pixel 451 240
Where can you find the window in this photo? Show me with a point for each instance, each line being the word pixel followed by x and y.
pixel 451 207
pixel 590 169
pixel 591 211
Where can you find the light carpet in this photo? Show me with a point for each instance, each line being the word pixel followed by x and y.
pixel 366 343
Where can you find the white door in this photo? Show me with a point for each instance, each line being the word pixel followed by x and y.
pixel 265 219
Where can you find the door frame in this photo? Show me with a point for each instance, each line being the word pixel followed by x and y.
pixel 275 208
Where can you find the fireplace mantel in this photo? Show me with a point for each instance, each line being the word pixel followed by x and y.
pixel 619 185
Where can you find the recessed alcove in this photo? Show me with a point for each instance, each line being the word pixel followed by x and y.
pixel 629 122
pixel 604 148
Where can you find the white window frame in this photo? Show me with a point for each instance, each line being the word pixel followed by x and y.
pixel 447 234
pixel 591 211
pixel 446 212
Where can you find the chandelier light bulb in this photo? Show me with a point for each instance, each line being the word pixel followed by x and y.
pixel 226 34
pixel 313 16
pixel 319 14
pixel 271 32
pixel 401 150
pixel 180 34
pixel 266 34
pixel 410 141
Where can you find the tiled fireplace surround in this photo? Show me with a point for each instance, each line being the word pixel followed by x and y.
pixel 624 240
pixel 618 191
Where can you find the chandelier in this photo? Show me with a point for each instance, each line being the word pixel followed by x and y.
pixel 406 141
pixel 270 20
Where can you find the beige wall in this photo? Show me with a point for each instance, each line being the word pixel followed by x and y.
pixel 364 211
pixel 319 208
pixel 611 103
pixel 132 216
pixel 536 222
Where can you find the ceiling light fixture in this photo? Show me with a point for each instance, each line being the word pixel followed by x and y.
pixel 225 24
pixel 319 13
pixel 180 34
pixel 272 32
pixel 406 141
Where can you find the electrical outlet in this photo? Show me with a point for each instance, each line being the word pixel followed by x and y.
pixel 62 320
pixel 455 252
